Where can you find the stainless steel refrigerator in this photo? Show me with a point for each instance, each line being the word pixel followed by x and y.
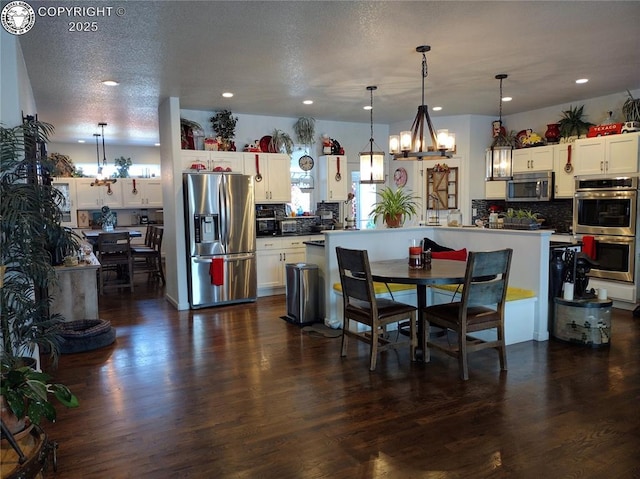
pixel 221 239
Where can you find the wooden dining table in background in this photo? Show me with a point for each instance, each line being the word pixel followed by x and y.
pixel 442 271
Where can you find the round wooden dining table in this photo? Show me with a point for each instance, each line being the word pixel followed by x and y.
pixel 442 271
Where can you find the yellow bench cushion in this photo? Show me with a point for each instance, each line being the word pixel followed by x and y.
pixel 380 288
pixel 513 294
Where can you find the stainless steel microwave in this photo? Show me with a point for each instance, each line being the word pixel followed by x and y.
pixel 530 186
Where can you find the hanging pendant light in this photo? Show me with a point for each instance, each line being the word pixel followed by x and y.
pixel 100 180
pixel 499 156
pixel 413 144
pixel 371 162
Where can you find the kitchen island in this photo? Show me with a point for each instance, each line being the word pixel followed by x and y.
pixel 529 267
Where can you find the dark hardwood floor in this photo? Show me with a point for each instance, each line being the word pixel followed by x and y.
pixel 236 392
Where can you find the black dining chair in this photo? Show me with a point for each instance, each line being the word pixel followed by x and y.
pixel 148 258
pixel 116 262
pixel 480 308
pixel 361 305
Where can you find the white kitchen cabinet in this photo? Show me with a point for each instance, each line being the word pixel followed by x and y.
pixel 67 186
pixel 275 171
pixel 611 154
pixel 229 161
pixel 333 180
pixel 141 192
pixel 564 182
pixel 537 158
pixel 272 256
pixel 495 190
pixel 95 197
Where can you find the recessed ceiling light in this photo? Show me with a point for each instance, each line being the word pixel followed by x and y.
pixel 308 102
pixel 80 141
pixel 110 83
pixel 157 144
pixel 367 107
pixel 437 108
pixel 506 98
pixel 582 80
pixel 227 94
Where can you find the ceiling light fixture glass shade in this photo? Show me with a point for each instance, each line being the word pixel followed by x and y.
pixel 371 162
pixel 421 141
pixel 499 156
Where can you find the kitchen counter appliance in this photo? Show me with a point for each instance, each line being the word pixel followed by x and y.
pixel 266 223
pixel 220 238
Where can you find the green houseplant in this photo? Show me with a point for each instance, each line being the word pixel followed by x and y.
pixel 224 124
pixel 281 142
pixel 32 239
pixel 394 206
pixel 122 164
pixel 573 122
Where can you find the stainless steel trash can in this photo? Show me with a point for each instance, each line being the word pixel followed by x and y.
pixel 302 293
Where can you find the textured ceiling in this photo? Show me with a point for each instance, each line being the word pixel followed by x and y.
pixel 274 54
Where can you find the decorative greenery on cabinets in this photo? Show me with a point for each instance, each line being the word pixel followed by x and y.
pixel 305 130
pixel 281 142
pixel 123 165
pixel 224 124
pixel 573 122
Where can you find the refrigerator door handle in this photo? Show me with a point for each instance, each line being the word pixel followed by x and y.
pixel 235 257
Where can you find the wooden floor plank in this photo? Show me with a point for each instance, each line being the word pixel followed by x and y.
pixel 236 392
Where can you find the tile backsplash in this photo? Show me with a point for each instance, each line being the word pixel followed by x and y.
pixel 558 214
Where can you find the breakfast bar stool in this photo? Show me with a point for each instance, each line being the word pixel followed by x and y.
pixel 148 259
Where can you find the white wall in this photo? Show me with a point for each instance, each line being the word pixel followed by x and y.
pixel 16 95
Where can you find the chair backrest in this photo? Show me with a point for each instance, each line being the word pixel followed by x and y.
pixel 355 276
pixel 487 277
pixel 156 241
pixel 112 243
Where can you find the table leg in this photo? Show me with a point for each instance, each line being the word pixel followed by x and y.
pixel 421 293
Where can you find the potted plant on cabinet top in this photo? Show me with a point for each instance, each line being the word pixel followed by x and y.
pixel 224 124
pixel 394 206
pixel 573 123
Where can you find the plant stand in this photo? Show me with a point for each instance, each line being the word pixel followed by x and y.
pixel 25 456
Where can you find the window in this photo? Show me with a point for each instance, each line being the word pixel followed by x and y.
pixel 365 197
pixel 300 197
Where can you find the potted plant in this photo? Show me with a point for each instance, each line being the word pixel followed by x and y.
pixel 281 142
pixel 224 124
pixel 123 164
pixel 26 392
pixel 631 108
pixel 31 236
pixel 304 129
pixel 394 206
pixel 573 123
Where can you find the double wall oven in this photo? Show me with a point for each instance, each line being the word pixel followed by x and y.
pixel 607 209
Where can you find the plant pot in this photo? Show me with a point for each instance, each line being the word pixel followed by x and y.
pixel 393 221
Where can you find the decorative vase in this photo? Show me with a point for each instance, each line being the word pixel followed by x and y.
pixel 552 134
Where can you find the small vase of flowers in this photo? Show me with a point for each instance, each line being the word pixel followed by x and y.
pixel 107 219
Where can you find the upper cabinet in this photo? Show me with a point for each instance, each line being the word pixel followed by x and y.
pixel 272 176
pixel 227 161
pixel 141 193
pixel 67 186
pixel 563 166
pixel 95 197
pixel 611 154
pixel 538 158
pixel 333 181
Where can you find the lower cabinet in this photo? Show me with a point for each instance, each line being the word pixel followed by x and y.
pixel 272 256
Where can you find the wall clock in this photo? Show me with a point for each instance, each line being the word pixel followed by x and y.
pixel 305 162
pixel 400 177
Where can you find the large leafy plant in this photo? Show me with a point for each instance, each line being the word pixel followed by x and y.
pixel 573 122
pixel 394 203
pixel 31 236
pixel 26 393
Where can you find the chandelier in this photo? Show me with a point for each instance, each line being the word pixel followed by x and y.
pixel 410 145
pixel 371 162
pixel 100 180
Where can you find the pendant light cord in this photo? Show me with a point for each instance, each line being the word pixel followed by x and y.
pixel 425 72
